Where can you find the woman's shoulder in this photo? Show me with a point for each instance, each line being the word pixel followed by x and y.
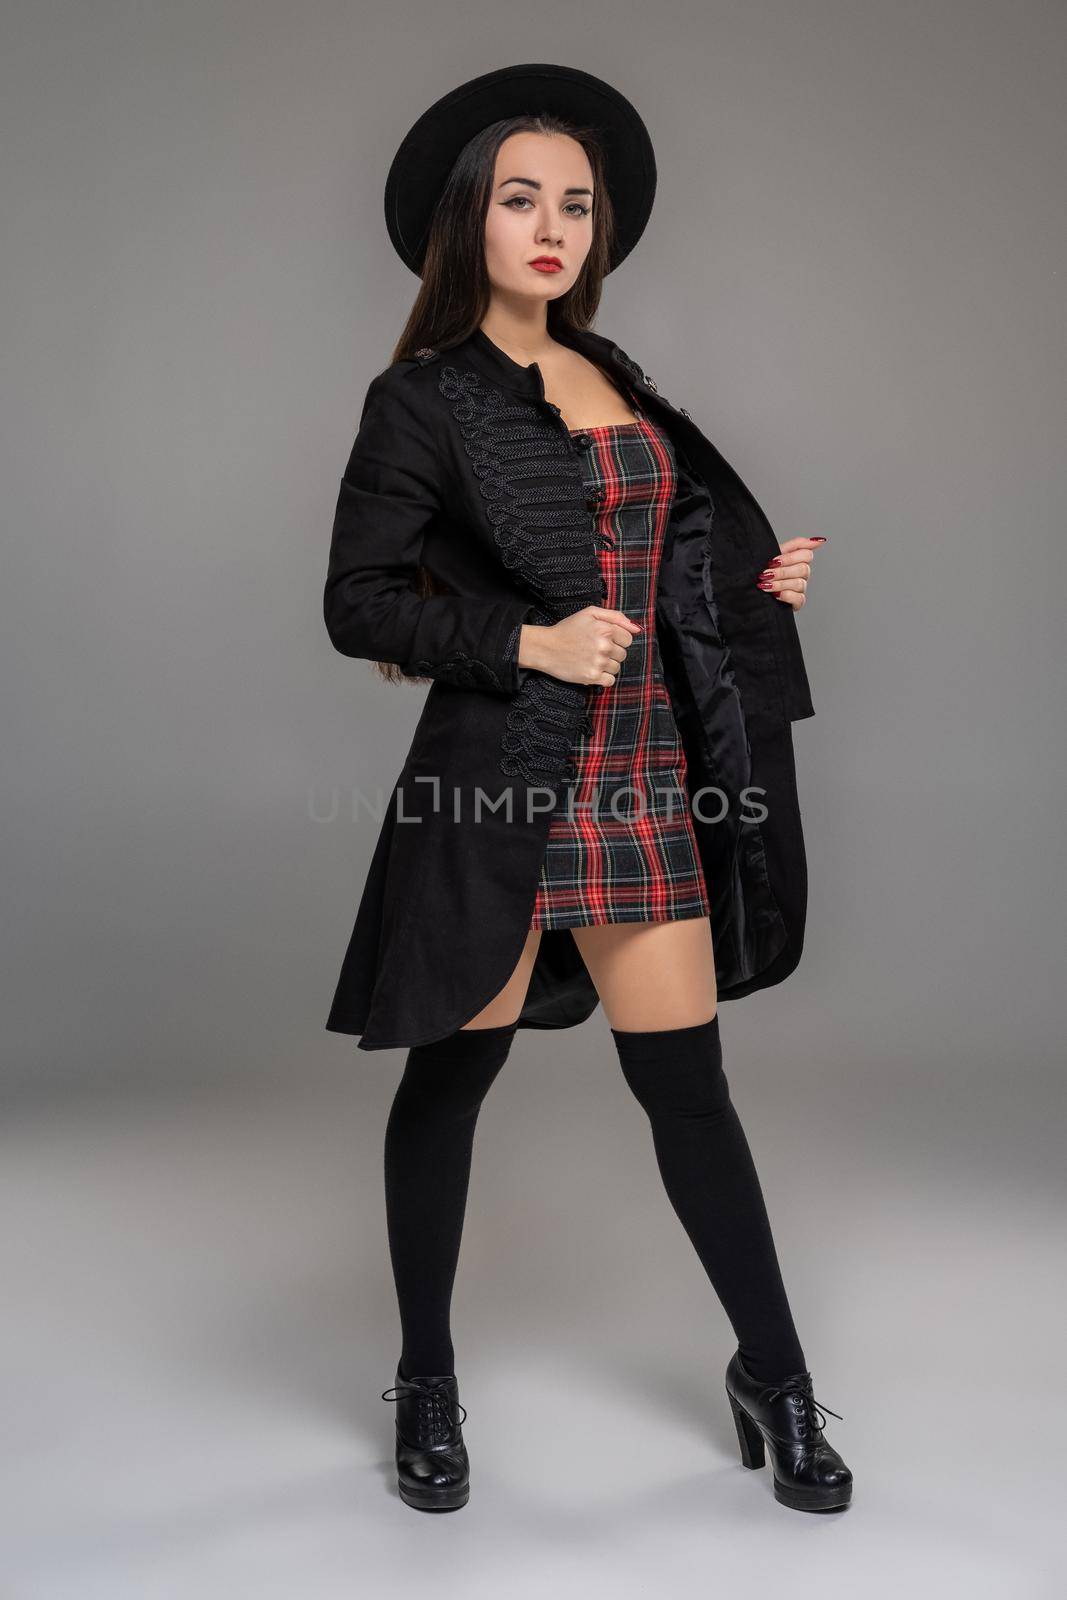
pixel 601 347
pixel 612 347
pixel 400 411
pixel 405 383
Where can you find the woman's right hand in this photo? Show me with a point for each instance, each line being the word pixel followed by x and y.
pixel 587 647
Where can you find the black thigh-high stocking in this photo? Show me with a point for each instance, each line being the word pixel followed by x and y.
pixel 429 1139
pixel 710 1178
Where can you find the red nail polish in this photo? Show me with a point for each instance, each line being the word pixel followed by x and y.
pixel 775 561
pixel 820 538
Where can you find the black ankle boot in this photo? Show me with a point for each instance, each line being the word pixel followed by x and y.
pixel 809 1475
pixel 433 1472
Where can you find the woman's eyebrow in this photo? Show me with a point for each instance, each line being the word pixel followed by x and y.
pixel 533 183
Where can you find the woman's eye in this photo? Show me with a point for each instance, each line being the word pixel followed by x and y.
pixel 579 209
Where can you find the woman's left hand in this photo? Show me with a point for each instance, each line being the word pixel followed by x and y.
pixel 788 574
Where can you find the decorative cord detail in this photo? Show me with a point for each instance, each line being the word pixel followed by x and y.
pixel 544 718
pixel 511 643
pixel 638 372
pixel 534 489
pixel 467 672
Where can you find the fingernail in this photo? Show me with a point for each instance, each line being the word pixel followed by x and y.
pixel 820 538
pixel 775 561
pixel 765 586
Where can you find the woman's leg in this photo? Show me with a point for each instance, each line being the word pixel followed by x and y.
pixel 657 985
pixel 429 1140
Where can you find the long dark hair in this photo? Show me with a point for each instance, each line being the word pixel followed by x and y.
pixel 455 292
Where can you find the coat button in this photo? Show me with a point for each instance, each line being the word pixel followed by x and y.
pixel 582 440
pixel 593 499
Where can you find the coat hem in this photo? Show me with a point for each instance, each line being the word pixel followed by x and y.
pixel 410 1044
pixel 446 1030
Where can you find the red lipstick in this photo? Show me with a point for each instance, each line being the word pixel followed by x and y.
pixel 547 264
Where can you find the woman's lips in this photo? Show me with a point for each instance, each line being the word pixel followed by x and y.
pixel 546 266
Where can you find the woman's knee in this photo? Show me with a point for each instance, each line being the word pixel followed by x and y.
pixel 675 1072
pixel 652 975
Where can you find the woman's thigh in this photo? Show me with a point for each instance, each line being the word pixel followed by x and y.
pixel 652 975
pixel 508 1002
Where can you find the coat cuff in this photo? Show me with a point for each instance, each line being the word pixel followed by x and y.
pixel 510 668
pixel 493 663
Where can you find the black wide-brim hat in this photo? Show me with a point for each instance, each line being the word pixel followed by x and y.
pixel 421 166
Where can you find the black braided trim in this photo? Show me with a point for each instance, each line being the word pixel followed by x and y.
pixel 531 480
pixel 638 372
pixel 543 721
pixel 467 672
pixel 533 484
pixel 511 643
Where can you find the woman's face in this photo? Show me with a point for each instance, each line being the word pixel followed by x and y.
pixel 541 205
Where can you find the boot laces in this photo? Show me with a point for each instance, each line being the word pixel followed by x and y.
pixel 811 1413
pixel 434 1414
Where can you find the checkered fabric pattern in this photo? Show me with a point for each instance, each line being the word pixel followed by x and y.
pixel 621 846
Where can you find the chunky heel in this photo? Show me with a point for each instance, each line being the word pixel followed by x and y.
pixel 753 1450
pixel 808 1473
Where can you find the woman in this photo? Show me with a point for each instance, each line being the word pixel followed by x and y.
pixel 527 523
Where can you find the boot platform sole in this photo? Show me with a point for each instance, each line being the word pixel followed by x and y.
pixel 799 1497
pixel 435 1499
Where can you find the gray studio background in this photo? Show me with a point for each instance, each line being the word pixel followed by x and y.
pixel 853 278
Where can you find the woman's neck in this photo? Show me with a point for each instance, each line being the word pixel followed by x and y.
pixel 524 339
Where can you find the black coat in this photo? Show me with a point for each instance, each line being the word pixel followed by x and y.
pixel 462 465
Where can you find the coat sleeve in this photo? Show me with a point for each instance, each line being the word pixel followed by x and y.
pixel 389 496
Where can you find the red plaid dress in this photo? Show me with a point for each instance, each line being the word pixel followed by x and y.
pixel 621 846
